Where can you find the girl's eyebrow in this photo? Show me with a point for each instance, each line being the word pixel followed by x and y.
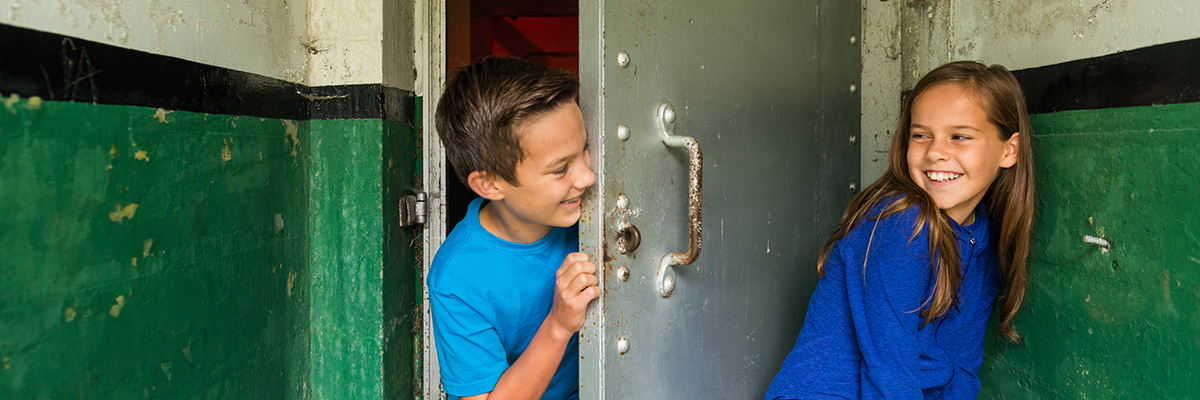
pixel 956 127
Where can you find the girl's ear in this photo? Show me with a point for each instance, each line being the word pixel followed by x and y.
pixel 1011 147
pixel 485 186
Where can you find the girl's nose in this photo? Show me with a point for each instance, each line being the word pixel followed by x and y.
pixel 939 149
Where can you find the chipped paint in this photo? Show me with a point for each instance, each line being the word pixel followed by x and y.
pixel 69 314
pixel 166 369
pixel 161 115
pixel 226 153
pixel 187 352
pixel 141 155
pixel 278 222
pixel 123 213
pixel 146 247
pixel 115 310
pixel 34 103
pixel 291 283
pixel 290 130
pixel 10 102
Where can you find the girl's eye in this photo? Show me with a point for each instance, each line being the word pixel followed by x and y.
pixel 918 136
pixel 562 170
pixel 960 137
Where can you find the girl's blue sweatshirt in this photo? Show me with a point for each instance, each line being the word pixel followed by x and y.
pixel 862 336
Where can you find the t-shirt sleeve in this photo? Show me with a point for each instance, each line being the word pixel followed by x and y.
pixel 885 297
pixel 470 355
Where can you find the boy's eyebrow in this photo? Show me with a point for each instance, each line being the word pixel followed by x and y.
pixel 562 160
pixel 568 157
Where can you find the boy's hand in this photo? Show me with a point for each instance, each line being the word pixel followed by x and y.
pixel 574 288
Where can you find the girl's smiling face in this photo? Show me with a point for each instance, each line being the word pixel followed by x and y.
pixel 954 151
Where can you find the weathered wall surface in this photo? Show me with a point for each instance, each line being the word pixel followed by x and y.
pixel 245 248
pixel 1120 323
pixel 152 253
pixel 902 40
pixel 265 37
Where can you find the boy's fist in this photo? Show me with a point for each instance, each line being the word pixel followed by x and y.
pixel 574 288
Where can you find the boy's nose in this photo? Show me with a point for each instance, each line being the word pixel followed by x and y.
pixel 586 179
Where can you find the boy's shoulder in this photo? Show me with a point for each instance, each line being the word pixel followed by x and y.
pixel 471 257
pixel 456 260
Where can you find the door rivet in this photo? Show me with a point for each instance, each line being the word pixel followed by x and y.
pixel 853 88
pixel 853 187
pixel 853 138
pixel 853 39
pixel 668 115
pixel 623 59
pixel 622 202
pixel 623 132
pixel 622 345
pixel 622 273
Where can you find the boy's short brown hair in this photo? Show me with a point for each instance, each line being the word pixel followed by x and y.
pixel 483 105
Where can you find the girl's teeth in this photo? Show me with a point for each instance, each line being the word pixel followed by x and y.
pixel 942 176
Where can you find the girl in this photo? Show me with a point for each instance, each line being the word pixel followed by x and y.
pixel 913 268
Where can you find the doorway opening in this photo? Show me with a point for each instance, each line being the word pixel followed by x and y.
pixel 545 32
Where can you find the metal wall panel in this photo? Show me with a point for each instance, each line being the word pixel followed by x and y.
pixel 764 87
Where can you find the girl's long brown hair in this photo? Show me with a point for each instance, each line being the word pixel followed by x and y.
pixel 1010 199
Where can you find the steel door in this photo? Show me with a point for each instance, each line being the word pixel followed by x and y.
pixel 767 90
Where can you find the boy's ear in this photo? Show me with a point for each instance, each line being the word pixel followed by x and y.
pixel 485 186
pixel 1011 147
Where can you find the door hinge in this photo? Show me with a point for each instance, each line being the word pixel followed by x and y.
pixel 413 209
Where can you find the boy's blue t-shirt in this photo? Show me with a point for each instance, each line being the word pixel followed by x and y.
pixel 488 297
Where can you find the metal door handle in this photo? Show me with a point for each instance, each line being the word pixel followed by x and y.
pixel 666 125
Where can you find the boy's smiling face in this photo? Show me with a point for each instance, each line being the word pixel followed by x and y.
pixel 552 176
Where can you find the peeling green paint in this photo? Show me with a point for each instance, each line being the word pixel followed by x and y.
pixel 1123 323
pixel 257 263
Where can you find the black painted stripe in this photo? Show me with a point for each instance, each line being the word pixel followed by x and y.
pixel 64 68
pixel 1161 74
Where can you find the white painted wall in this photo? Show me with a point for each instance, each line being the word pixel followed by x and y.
pixel 314 42
pixel 260 36
pixel 1015 33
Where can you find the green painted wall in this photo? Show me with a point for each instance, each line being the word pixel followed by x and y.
pixel 1112 324
pixel 157 254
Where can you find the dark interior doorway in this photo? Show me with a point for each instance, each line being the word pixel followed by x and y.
pixel 541 31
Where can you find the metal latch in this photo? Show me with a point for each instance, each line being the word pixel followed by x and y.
pixel 413 209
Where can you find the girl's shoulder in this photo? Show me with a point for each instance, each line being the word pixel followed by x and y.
pixel 892 211
pixel 888 235
pixel 890 223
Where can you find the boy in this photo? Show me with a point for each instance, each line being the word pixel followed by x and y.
pixel 507 288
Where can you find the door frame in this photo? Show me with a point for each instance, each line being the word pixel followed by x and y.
pixel 429 32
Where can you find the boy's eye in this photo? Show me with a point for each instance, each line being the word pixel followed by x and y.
pixel 960 137
pixel 561 170
pixel 918 136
